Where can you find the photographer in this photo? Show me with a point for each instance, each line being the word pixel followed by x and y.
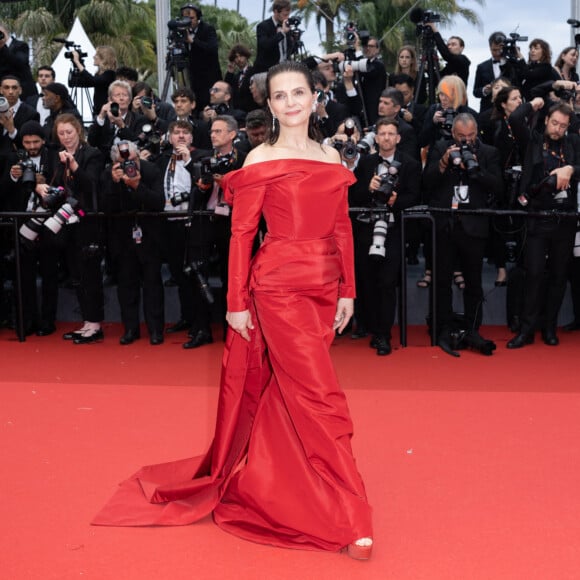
pixel 412 112
pixel 15 116
pixel 497 66
pixel 238 76
pixel 177 165
pixel 274 40
pixel 105 60
pixel 131 185
pixel 462 173
pixel 549 181
pixel 387 182
pixel 456 63
pixel 184 102
pixel 115 121
pixel 78 172
pixel 220 103
pixel 225 158
pixel 27 169
pixel 346 142
pixel 538 69
pixel 204 66
pixel 329 113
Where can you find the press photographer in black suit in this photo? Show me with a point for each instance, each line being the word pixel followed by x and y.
pixel 177 166
pixel 273 37
pixel 204 65
pixel 130 185
pixel 387 182
pixel 41 255
pixel 115 121
pixel 462 173
pixel 551 170
pixel 456 63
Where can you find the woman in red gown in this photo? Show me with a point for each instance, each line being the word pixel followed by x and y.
pixel 280 469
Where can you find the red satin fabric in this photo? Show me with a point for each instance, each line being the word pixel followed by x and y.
pixel 280 469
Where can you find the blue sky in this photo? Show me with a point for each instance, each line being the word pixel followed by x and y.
pixel 534 18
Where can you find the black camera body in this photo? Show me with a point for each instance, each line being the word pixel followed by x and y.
pixel 180 197
pixel 447 124
pixel 196 270
pixel 510 50
pixel 389 182
pixel 130 168
pixel 421 18
pixel 565 94
pixel 28 178
pixel 465 156
pixel 54 198
pixel 149 140
pixel 220 108
pixel 223 164
pixel 202 171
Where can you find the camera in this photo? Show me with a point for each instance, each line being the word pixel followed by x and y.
pixel 513 176
pixel 54 198
pixel 220 108
pixel 194 269
pixel 377 247
pixel 566 95
pixel 149 139
pixel 128 166
pixel 222 164
pixel 30 229
pixel 114 108
pixel 447 124
pixel 4 105
pixel 421 18
pixel 28 178
pixel 509 48
pixel 366 144
pixel 389 182
pixel 180 197
pixel 347 149
pixel 202 171
pixel 67 213
pixel 146 102
pixel 293 24
pixel 466 157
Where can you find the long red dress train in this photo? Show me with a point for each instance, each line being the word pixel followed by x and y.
pixel 280 469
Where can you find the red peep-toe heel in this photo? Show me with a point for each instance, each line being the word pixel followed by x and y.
pixel 361 549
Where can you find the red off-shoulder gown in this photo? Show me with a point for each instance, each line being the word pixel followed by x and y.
pixel 280 470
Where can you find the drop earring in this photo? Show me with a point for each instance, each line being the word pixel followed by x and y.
pixel 273 123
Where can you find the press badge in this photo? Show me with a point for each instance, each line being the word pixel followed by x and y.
pixel 460 195
pixel 222 209
pixel 137 234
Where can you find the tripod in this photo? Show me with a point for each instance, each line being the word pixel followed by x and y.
pixel 176 66
pixel 429 66
pixel 78 91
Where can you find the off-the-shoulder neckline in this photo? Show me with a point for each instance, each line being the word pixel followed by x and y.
pixel 287 159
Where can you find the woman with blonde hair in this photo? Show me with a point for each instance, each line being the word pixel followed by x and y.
pixel 105 60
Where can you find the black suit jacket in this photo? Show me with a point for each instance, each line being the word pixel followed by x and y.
pixel 268 37
pixel 104 137
pixel 14 60
pixel 482 189
pixel 118 198
pixel 408 188
pixel 455 64
pixel 204 66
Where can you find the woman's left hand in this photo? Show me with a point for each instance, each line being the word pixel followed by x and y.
pixel 344 312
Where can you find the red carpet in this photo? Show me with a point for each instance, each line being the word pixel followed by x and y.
pixel 471 464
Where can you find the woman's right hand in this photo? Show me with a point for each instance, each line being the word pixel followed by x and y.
pixel 241 322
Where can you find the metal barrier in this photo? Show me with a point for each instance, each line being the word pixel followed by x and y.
pixel 417 212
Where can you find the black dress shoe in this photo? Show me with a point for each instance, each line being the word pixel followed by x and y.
pixel 382 345
pixel 178 326
pixel 477 342
pixel 129 337
pixel 572 326
pixel 156 338
pixel 199 339
pixel 520 340
pixel 96 336
pixel 444 343
pixel 46 329
pixel 549 337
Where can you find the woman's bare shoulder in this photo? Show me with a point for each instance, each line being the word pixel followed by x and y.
pixel 260 153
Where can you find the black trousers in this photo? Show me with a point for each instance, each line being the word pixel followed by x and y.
pixel 377 279
pixel 84 260
pixel 140 268
pixel 547 254
pixel 183 245
pixel 454 243
pixel 40 258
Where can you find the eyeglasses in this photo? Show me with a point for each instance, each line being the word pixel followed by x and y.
pixel 215 90
pixel 373 45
